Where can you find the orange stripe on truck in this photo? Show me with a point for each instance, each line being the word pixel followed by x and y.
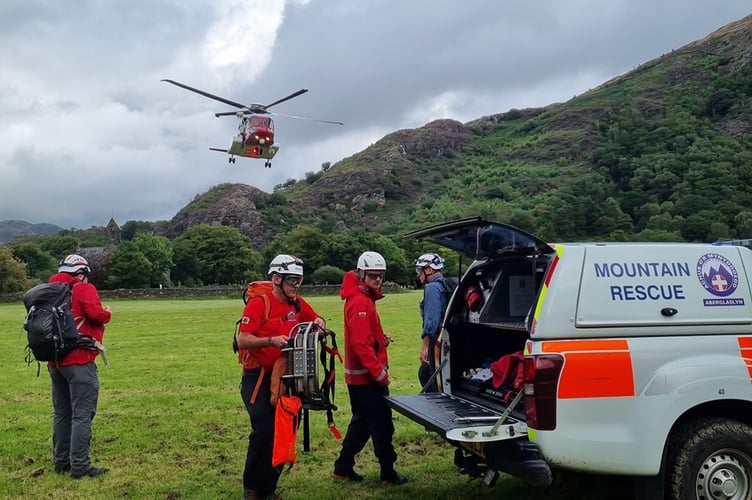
pixel 745 346
pixel 594 368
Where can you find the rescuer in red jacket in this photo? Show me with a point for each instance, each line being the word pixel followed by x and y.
pixel 262 334
pixel 75 381
pixel 366 373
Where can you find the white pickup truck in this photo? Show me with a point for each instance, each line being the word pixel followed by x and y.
pixel 635 359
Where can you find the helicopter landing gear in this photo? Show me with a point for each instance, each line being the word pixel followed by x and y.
pixel 268 164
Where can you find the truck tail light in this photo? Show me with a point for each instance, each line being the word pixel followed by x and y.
pixel 540 384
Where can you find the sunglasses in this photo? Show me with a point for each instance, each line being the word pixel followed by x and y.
pixel 293 280
pixel 375 276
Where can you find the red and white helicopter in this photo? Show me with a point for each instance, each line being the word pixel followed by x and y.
pixel 255 138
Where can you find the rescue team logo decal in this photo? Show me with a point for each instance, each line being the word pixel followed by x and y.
pixel 719 277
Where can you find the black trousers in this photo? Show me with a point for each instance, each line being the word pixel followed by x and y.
pixel 371 418
pixel 259 475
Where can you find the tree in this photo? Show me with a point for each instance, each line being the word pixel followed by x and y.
pixel 327 275
pixel 39 264
pixel 131 228
pixel 697 227
pixel 59 245
pixel 719 232
pixel 743 224
pixel 158 251
pixel 719 102
pixel 129 267
pixel 13 277
pixel 186 263
pixel 310 244
pixel 398 268
pixel 215 255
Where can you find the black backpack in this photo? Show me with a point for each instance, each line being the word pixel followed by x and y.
pixel 448 285
pixel 50 328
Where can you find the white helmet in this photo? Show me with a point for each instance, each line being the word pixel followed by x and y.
pixel 371 261
pixel 73 263
pixel 432 260
pixel 287 265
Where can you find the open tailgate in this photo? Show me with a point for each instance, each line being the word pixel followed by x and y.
pixel 456 419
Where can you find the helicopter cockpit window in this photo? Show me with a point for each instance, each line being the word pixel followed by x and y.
pixel 260 121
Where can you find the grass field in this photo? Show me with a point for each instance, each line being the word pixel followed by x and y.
pixel 171 425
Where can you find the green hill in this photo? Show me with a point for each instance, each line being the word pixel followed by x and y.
pixel 662 152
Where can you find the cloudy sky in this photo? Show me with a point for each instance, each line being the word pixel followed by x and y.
pixel 88 131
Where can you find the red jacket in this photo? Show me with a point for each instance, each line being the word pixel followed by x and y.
pixel 87 307
pixel 366 359
pixel 282 317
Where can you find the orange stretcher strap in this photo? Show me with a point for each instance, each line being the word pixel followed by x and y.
pixel 258 386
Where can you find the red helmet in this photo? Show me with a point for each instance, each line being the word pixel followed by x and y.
pixel 474 298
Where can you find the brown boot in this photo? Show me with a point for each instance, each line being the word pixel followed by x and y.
pixel 249 495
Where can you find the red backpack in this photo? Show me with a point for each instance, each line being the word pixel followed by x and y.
pixel 508 373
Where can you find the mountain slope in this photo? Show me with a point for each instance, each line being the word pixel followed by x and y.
pixel 600 165
pixel 9 229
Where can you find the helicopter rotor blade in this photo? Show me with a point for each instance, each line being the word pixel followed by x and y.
pixel 305 118
pixel 207 94
pixel 251 109
pixel 294 94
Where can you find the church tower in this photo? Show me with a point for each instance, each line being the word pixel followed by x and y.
pixel 112 234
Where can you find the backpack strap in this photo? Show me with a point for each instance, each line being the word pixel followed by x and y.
pixel 267 312
pixel 267 307
pixel 265 318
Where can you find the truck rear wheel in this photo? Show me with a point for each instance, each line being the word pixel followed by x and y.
pixel 710 459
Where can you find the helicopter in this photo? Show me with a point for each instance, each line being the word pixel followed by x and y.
pixel 255 138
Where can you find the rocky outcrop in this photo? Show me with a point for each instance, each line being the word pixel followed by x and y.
pixel 234 205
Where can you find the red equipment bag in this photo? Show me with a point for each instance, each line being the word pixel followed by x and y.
pixel 286 423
